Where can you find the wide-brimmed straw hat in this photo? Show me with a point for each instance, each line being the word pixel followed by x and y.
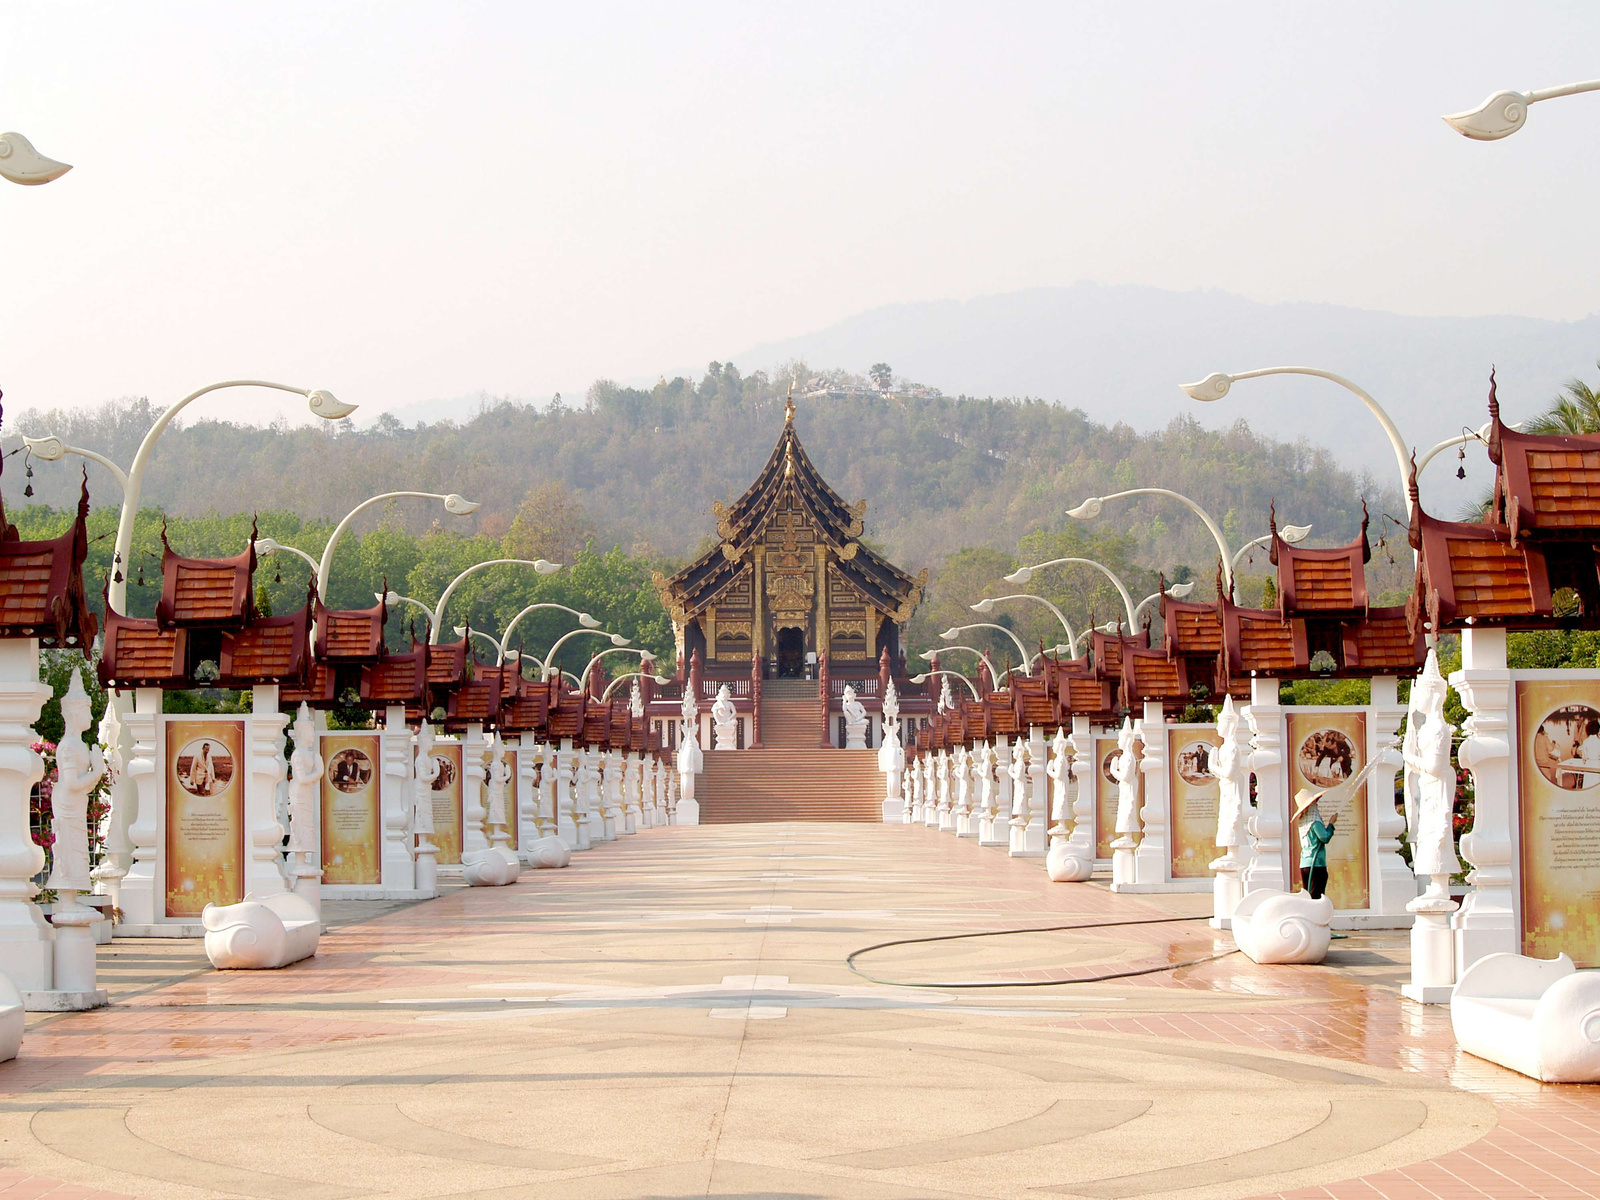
pixel 1303 800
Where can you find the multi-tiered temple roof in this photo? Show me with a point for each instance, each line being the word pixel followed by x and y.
pixel 789 576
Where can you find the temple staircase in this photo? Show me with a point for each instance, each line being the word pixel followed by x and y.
pixel 792 779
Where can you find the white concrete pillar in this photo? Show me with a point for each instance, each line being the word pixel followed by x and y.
pixel 26 941
pixel 1393 886
pixel 1486 922
pixel 563 762
pixel 1075 863
pixel 997 830
pixel 947 816
pixel 141 901
pixel 1021 798
pixel 473 750
pixel 527 759
pixel 398 865
pixel 1152 861
pixel 635 817
pixel 1270 867
pixel 117 853
pixel 1036 835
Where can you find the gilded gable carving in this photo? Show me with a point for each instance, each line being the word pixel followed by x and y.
pixel 790 595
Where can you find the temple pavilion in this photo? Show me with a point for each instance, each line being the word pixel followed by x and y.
pixel 789 581
pixel 786 612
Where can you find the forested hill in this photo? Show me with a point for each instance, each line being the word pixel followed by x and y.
pixel 939 473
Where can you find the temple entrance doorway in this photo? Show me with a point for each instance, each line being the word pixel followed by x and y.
pixel 791 653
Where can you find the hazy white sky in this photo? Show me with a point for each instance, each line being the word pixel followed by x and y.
pixel 399 201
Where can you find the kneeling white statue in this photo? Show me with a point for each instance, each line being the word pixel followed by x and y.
pixel 724 721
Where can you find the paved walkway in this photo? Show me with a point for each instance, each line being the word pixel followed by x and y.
pixel 672 1017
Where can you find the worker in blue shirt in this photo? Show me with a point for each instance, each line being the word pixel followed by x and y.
pixel 1315 834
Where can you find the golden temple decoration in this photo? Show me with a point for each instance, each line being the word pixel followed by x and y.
pixel 848 551
pixel 790 594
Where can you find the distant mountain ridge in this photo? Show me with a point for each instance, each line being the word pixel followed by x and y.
pixel 1119 353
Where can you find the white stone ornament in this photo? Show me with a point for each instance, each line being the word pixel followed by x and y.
pixel 499 777
pixel 1065 862
pixel 892 763
pixel 1125 770
pixel 855 720
pixel 690 762
pixel 724 721
pixel 1537 1016
pixel 494 865
pixel 427 771
pixel 305 810
pixel 1283 927
pixel 1230 766
pixel 78 770
pixel 256 935
pixel 1430 790
pixel 1430 783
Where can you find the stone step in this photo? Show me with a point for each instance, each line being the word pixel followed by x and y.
pixel 803 783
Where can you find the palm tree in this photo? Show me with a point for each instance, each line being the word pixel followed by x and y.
pixel 1577 410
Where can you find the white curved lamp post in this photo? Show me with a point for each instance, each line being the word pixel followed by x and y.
pixel 1216 385
pixel 322 570
pixel 503 643
pixel 550 655
pixel 393 599
pixel 1481 434
pixel 930 655
pixel 956 631
pixel 51 448
pixel 986 605
pixel 1293 534
pixel 923 678
pixel 499 650
pixel 1177 591
pixel 661 680
pixel 543 566
pixel 266 547
pixel 1503 113
pixel 21 163
pixel 584 619
pixel 645 657
pixel 453 504
pixel 1023 574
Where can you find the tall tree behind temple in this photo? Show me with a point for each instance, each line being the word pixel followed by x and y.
pixel 550 523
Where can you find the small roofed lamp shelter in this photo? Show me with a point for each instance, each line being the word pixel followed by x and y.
pixel 42 603
pixel 789 583
pixel 216 799
pixel 351 667
pixel 1530 564
pixel 1323 627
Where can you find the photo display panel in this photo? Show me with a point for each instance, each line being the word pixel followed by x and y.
pixel 352 830
pixel 1558 817
pixel 447 816
pixel 1323 750
pixel 1192 826
pixel 205 851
